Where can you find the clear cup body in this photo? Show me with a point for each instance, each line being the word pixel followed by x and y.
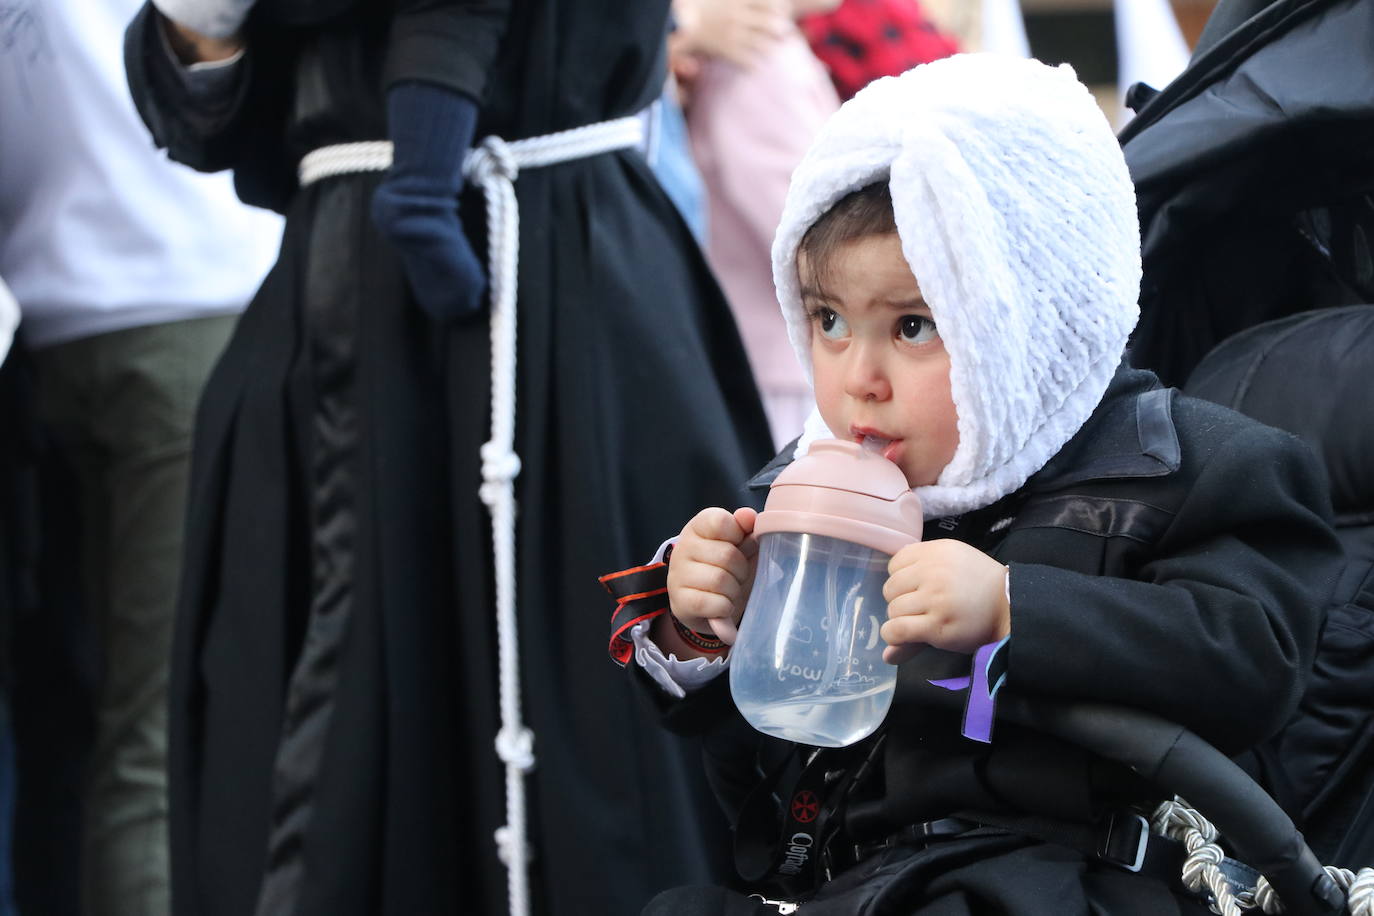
pixel 807 665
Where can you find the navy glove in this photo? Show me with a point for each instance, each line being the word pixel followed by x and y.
pixel 416 205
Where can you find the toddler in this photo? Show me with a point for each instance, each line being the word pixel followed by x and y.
pixel 958 264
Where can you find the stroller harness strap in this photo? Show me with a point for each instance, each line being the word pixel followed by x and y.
pixel 787 849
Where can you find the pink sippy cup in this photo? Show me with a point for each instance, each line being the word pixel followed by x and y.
pixel 807 665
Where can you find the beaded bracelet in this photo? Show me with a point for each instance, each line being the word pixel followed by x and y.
pixel 698 641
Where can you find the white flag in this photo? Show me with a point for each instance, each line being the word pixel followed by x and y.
pixel 1004 31
pixel 1150 46
pixel 9 319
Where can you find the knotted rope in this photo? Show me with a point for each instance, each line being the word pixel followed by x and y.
pixel 1202 872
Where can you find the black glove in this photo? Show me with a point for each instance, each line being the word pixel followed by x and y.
pixel 416 206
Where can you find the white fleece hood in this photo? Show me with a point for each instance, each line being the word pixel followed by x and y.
pixel 1017 217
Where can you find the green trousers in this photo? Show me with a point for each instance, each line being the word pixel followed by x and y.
pixel 120 407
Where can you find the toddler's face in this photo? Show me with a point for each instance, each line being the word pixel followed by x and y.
pixel 881 369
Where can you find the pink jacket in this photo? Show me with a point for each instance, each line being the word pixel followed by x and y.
pixel 749 129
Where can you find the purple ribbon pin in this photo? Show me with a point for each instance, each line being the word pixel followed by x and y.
pixel 987 677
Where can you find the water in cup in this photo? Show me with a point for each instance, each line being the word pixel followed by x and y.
pixel 808 666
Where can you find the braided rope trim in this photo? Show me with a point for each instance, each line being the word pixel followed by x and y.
pixel 1202 872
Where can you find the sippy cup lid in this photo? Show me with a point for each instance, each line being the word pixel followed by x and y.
pixel 840 490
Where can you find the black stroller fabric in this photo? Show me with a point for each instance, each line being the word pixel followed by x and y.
pixel 1256 195
pixel 1310 374
pixel 1254 180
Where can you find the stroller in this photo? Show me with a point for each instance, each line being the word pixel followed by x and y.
pixel 1256 195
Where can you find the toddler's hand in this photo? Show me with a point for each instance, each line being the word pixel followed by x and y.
pixel 711 571
pixel 943 593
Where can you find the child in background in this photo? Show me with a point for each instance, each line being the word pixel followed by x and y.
pixel 958 264
pixel 753 108
pixel 864 40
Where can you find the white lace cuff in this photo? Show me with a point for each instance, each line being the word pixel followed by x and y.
pixel 678 677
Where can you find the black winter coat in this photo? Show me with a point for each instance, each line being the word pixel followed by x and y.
pixel 1175 556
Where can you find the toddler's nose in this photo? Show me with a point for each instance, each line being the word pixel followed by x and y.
pixel 866 379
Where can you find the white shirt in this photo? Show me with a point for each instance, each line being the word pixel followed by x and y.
pixel 678 677
pixel 98 230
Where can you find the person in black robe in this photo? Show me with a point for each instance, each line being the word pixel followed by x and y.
pixel 334 674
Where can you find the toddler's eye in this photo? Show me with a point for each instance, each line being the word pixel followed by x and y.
pixel 916 329
pixel 832 326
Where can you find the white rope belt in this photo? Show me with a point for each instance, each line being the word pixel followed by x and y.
pixel 494 166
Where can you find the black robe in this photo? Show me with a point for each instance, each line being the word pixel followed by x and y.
pixel 334 694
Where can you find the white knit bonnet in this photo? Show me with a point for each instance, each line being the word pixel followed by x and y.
pixel 1017 216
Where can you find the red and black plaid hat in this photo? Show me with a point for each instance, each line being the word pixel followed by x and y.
pixel 863 40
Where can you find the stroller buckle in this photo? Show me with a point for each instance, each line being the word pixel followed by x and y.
pixel 1125 841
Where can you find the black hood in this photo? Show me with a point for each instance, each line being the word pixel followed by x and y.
pixel 1253 175
pixel 1309 374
